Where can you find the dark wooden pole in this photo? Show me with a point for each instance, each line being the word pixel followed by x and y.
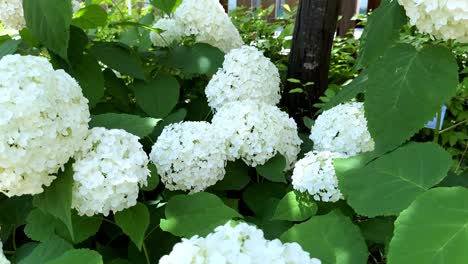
pixel 348 10
pixel 372 5
pixel 309 60
pixel 225 4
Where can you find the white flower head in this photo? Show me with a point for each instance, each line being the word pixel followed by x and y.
pixel 12 16
pixel 3 259
pixel 444 19
pixel 172 32
pixel 109 169
pixel 342 129
pixel 190 156
pixel 207 20
pixel 43 121
pixel 246 75
pixel 256 132
pixel 316 175
pixel 234 244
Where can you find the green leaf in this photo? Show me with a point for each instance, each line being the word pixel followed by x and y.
pixel 120 58
pixel 134 222
pixel 176 117
pixel 28 38
pixel 153 180
pixel 49 21
pixel 296 90
pixel 349 92
pixel 405 90
pixel 158 96
pixel 87 72
pixel 377 230
pixel 258 196
pixel 39 225
pixel 382 29
pixel 9 47
pixel 83 227
pixel 18 209
pixel 78 256
pixel 295 207
pixel 332 238
pixel 139 126
pixel 236 177
pixel 292 80
pixel 167 6
pixel 434 229
pixel 56 199
pixel 199 59
pixel 197 214
pixel 273 169
pixel 92 16
pixel 389 184
pixel 48 250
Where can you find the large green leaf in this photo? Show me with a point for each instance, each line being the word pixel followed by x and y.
pixel 332 238
pixel 434 229
pixel 158 96
pixel 389 184
pixel 350 91
pixel 197 214
pixel 92 16
pixel 18 209
pixel 273 169
pixel 56 199
pixel 263 198
pixel 87 72
pixel 83 227
pixel 9 47
pixel 49 21
pixel 120 58
pixel 295 207
pixel 139 126
pixel 78 256
pixel 48 250
pixel 236 178
pixel 405 90
pixel 199 59
pixel 167 6
pixel 134 221
pixel 40 226
pixel 382 29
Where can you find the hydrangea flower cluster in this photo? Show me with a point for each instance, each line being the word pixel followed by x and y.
pixel 446 19
pixel 315 174
pixel 246 75
pixel 12 16
pixel 43 121
pixel 339 132
pixel 190 156
pixel 256 132
pixel 205 19
pixel 172 32
pixel 241 243
pixel 342 129
pixel 3 259
pixel 109 169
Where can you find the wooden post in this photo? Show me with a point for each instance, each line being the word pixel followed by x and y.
pixel 309 60
pixel 372 5
pixel 348 10
pixel 225 4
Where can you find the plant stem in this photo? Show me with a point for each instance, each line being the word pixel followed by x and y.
pixel 462 158
pixel 437 128
pixel 146 253
pixel 454 126
pixel 9 252
pixel 14 238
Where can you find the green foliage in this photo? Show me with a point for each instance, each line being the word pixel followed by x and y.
pixel 236 178
pixel 48 250
pixel 49 21
pixel 9 47
pixel 134 222
pixel 273 169
pixel 433 229
pixel 344 242
pixel 295 207
pixel 139 126
pixel 78 256
pixel 158 96
pixel 120 58
pixel 380 188
pixel 87 72
pixel 197 214
pixel 92 16
pixel 166 6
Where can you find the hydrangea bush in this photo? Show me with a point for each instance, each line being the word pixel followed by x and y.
pixel 161 137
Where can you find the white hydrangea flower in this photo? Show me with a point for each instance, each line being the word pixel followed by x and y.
pixel 241 243
pixel 190 156
pixel 316 175
pixel 3 259
pixel 43 121
pixel 342 129
pixel 246 74
pixel 207 20
pixel 109 169
pixel 444 19
pixel 173 32
pixel 256 132
pixel 11 14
